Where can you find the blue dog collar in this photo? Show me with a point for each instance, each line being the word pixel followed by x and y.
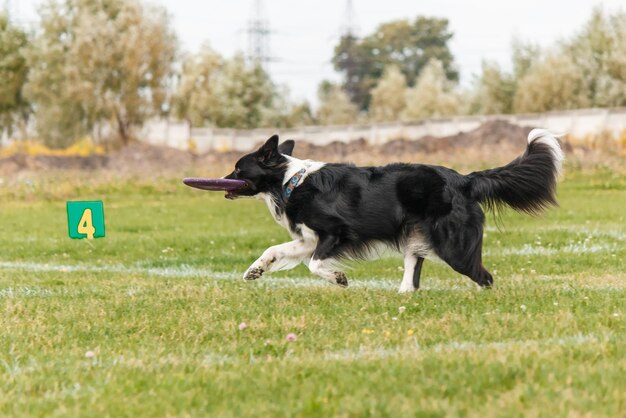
pixel 293 183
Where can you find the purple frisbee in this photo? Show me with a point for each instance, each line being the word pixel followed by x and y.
pixel 227 185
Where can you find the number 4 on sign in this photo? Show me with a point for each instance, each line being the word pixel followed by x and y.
pixel 85 220
pixel 85 225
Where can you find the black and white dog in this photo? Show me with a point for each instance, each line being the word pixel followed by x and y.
pixel 338 211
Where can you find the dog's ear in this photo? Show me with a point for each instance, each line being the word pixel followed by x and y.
pixel 269 150
pixel 286 147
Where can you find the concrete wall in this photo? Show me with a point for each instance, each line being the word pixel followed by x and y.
pixel 578 123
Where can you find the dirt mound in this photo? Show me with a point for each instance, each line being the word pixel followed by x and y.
pixel 492 133
pixel 335 151
pixel 135 158
pixel 21 162
pixel 141 157
pixel 494 142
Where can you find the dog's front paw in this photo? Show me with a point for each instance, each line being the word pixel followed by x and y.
pixel 253 273
pixel 341 279
pixel 406 288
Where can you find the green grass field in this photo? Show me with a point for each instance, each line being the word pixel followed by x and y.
pixel 159 302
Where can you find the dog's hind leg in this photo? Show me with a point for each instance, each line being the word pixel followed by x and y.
pixel 280 257
pixel 462 250
pixel 412 272
pixel 474 271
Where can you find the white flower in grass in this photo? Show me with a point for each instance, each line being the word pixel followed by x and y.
pixel 523 308
pixel 90 354
pixel 243 326
pixel 401 309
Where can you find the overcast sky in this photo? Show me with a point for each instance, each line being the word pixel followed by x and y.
pixel 305 31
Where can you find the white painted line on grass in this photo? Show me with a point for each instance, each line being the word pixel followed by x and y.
pixel 182 271
pixel 415 350
pixel 361 354
pixel 540 250
pixel 459 346
pixel 616 234
pixel 304 282
pixel 177 272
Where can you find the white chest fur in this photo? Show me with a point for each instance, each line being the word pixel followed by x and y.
pixel 294 165
pixel 281 219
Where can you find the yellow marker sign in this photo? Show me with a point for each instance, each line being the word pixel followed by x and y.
pixel 85 219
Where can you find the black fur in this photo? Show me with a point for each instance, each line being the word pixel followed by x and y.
pixel 351 208
pixel 417 272
pixel 527 184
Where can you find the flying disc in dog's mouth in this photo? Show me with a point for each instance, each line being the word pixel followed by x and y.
pixel 224 185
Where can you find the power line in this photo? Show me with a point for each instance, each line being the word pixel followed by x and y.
pixel 258 35
pixel 348 58
pixel 350 26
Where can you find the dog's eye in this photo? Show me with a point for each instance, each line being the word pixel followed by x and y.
pixel 237 170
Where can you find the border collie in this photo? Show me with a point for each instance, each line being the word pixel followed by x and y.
pixel 339 211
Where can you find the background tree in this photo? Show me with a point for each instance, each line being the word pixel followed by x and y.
pixel 523 55
pixel 599 51
pixel 230 94
pixel 301 115
pixel 99 63
pixel 335 107
pixel 354 62
pixel 195 99
pixel 278 113
pixel 242 93
pixel 284 113
pixel 493 91
pixel 556 82
pixel 587 70
pixel 433 94
pixel 388 97
pixel 407 44
pixel 14 109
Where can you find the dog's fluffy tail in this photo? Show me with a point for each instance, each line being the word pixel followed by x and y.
pixel 528 183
